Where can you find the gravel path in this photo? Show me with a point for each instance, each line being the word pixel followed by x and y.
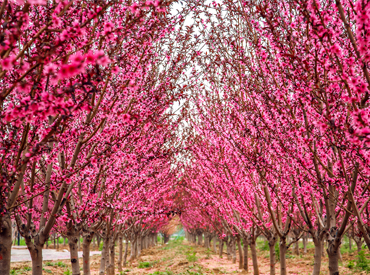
pixel 21 254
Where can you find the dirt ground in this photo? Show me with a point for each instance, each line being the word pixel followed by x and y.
pixel 181 257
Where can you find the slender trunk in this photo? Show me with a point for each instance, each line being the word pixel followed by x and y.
pixel 304 240
pixel 72 243
pixel 102 260
pixel 133 253
pixel 228 249
pixel 296 248
pixel 282 246
pixel 200 239
pixel 350 243
pixel 36 256
pixel 317 256
pixel 252 244
pixel 126 252
pixel 240 254
pixel 87 238
pixel 120 253
pixel 221 244
pixel 245 248
pixel 271 244
pixel 111 266
pixel 139 242
pixel 233 250
pixel 5 243
pixel 107 260
pixel 214 244
pixel 323 248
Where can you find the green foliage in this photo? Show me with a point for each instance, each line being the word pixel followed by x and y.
pixel 265 246
pixel 47 270
pixel 144 265
pixel 60 264
pixel 101 246
pixel 67 272
pixel 190 255
pixel 351 264
pixel 13 272
pixel 27 268
pixel 362 262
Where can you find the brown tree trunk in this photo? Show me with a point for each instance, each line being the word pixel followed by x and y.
pixel 5 243
pixel 87 238
pixel 240 254
pixel 252 244
pixel 200 239
pixel 221 244
pixel 349 242
pixel 283 249
pixel 333 261
pixel 36 256
pixel 139 243
pixel 296 248
pixel 271 243
pixel 133 248
pixel 317 256
pixel 126 252
pixel 120 253
pixel 304 240
pixel 73 250
pixel 103 258
pixel 245 248
pixel 111 266
pixel 214 244
pixel 233 250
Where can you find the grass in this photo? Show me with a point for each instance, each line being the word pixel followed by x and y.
pixel 22 242
pixel 190 255
pixel 144 264
pixel 59 264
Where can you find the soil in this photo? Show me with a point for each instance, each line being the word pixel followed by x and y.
pixel 181 257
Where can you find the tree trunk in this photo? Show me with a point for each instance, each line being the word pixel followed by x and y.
pixel 233 249
pixel 349 242
pixel 283 249
pixel 333 261
pixel 252 244
pixel 120 253
pixel 5 243
pixel 72 243
pixel 271 244
pixel 228 249
pixel 103 259
pixel 139 242
pixel 126 252
pixel 112 254
pixel 133 246
pixel 36 256
pixel 221 244
pixel 317 256
pixel 296 248
pixel 240 254
pixel 245 248
pixel 87 238
pixel 214 244
pixel 304 240
pixel 200 239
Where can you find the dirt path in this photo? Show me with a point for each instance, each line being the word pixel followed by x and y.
pixel 181 258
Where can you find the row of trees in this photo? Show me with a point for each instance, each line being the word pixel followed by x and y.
pixel 86 123
pixel 277 128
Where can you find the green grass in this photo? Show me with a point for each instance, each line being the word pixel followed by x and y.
pixel 167 272
pixel 190 255
pixel 59 264
pixel 144 264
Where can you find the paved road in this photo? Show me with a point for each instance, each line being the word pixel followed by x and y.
pixel 22 255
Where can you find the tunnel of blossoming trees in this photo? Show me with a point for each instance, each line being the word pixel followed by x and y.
pixel 243 119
